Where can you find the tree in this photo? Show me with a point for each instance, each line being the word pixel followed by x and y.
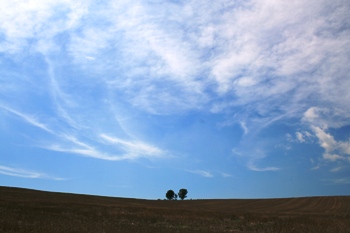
pixel 182 193
pixel 170 194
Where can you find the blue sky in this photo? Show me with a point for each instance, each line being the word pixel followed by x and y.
pixel 229 99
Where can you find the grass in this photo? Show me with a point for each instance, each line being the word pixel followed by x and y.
pixel 34 211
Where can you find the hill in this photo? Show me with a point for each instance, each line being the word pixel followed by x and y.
pixel 25 210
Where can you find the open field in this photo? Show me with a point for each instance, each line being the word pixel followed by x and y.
pixel 23 210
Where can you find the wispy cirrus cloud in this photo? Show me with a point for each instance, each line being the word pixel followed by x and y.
pixel 234 35
pixel 225 175
pixel 257 62
pixel 252 156
pixel 341 181
pixel 68 143
pixel 85 152
pixel 135 149
pixel 32 120
pixel 18 172
pixel 263 169
pixel 260 64
pixel 336 169
pixel 209 174
pixel 201 173
pixel 109 148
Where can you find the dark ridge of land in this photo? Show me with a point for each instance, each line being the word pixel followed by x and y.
pixel 26 210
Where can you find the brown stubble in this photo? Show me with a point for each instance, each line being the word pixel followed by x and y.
pixel 23 210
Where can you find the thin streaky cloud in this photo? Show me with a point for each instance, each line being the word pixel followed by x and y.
pixel 60 98
pixel 252 167
pixel 340 181
pixel 76 141
pixel 86 152
pixel 131 150
pixel 336 169
pixel 201 173
pixel 18 172
pixel 28 118
pixel 244 127
pixel 225 175
pixel 135 147
pixel 120 186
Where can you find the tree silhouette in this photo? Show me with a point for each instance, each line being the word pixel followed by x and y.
pixel 170 194
pixel 182 193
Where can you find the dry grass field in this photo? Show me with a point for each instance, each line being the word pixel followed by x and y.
pixel 23 210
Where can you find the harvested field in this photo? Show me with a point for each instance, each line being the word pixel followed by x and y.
pixel 24 210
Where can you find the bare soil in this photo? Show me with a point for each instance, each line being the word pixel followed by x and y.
pixel 24 210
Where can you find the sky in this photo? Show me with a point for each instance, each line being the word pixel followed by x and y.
pixel 226 98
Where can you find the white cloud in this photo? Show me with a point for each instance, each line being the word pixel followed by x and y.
pixel 62 101
pixel 300 137
pixel 245 81
pixel 251 154
pixel 201 173
pixel 289 137
pixel 121 150
pixel 339 181
pixel 312 114
pixel 326 140
pixel 315 167
pixel 317 116
pixel 345 146
pixel 67 143
pixel 135 149
pixel 87 152
pixel 32 120
pixel 320 120
pixel 252 167
pixel 225 175
pixel 264 59
pixel 38 20
pixel 334 150
pixel 342 181
pixel 336 169
pixel 258 51
pixel 18 172
pixel 254 42
pixel 332 157
pixel 326 117
pixel 237 152
pixel 244 127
